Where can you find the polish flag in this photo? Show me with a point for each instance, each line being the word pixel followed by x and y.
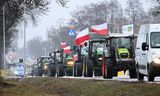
pixel 101 29
pixel 82 36
pixel 67 49
pixel 63 45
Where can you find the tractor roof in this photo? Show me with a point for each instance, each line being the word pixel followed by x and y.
pixel 43 57
pixel 98 40
pixel 120 35
pixel 57 51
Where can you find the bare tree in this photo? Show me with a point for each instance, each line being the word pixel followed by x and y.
pixel 36 47
pixel 136 12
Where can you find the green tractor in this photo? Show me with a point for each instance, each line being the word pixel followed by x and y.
pixel 122 56
pixel 73 65
pixel 42 65
pixel 78 67
pixel 69 65
pixel 94 60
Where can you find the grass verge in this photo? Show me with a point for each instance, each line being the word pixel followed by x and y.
pixel 72 87
pixel 16 88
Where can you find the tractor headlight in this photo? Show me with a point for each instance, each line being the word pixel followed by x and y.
pixel 45 66
pixel 70 63
pixel 100 58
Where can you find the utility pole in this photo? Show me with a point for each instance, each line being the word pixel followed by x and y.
pixel 24 42
pixel 25 39
pixel 133 21
pixel 4 38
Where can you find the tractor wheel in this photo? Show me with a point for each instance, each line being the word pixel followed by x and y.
pixel 140 76
pixel 151 74
pixel 39 72
pixel 52 72
pixel 109 69
pixel 132 73
pixel 60 70
pixel 78 69
pixel 89 69
pixel 69 72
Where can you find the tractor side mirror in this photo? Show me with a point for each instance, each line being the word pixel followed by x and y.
pixel 85 44
pixel 50 54
pixel 74 48
pixel 144 46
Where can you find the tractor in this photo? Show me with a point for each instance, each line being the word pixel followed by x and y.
pixel 52 65
pixel 42 63
pixel 94 60
pixel 121 54
pixel 59 62
pixel 73 62
pixel 69 65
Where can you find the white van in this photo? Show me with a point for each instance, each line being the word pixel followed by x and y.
pixel 148 52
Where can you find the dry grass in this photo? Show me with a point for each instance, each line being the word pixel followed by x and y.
pixel 71 87
pixel 14 88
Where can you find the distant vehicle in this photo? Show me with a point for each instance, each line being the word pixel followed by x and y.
pixel 34 71
pixel 20 69
pixel 69 65
pixel 148 52
pixel 56 63
pixel 73 65
pixel 42 65
pixel 52 65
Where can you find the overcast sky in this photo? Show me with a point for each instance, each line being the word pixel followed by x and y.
pixel 56 12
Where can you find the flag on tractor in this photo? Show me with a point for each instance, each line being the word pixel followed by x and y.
pixel 101 29
pixel 67 49
pixel 63 45
pixel 82 36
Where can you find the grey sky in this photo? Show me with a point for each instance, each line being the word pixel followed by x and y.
pixel 56 12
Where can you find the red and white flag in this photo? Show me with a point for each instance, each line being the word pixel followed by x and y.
pixel 101 29
pixel 67 49
pixel 82 36
pixel 63 45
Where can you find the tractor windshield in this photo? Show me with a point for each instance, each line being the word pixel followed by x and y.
pixel 58 56
pixel 99 48
pixel 121 43
pixel 45 60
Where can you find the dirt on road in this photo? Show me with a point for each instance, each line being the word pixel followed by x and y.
pixel 48 86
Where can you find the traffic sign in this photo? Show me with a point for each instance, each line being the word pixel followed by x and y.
pixel 72 32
